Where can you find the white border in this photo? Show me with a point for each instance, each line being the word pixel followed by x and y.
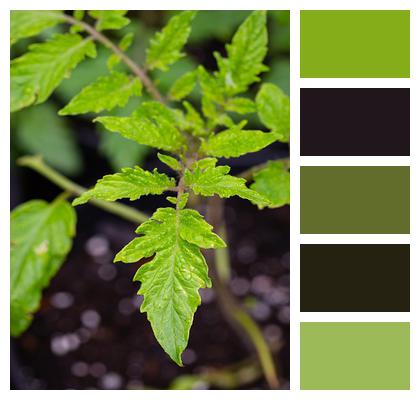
pixel 294 6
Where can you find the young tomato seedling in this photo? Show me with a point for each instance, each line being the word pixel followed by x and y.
pixel 190 138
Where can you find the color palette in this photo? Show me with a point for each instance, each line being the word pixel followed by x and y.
pixel 355 44
pixel 355 199
pixel 355 122
pixel 355 277
pixel 365 198
pixel 355 355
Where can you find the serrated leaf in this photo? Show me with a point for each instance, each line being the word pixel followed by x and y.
pixel 192 121
pixel 39 130
pixel 152 124
pixel 24 24
pixel 183 86
pixel 244 55
pixel 106 93
pixel 124 44
pixel 41 237
pixel 170 282
pixel 181 203
pixel 241 105
pixel 171 162
pixel 210 86
pixel 109 19
pixel 207 180
pixel 130 183
pixel 165 47
pixel 235 142
pixel 37 73
pixel 273 182
pixel 274 110
pixel 126 41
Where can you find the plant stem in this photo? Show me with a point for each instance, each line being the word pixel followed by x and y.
pixel 139 72
pixel 231 307
pixel 37 163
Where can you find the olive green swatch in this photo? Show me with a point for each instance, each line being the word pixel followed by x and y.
pixel 355 44
pixel 355 199
pixel 355 355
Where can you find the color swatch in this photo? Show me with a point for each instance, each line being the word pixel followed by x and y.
pixel 355 278
pixel 355 122
pixel 355 355
pixel 355 44
pixel 355 199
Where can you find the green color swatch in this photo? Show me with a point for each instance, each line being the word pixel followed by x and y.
pixel 355 44
pixel 355 355
pixel 355 199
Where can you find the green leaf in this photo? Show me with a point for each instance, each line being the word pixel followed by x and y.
pixel 235 142
pixel 124 44
pixel 273 182
pixel 245 55
pixel 25 24
pixel 183 86
pixel 36 74
pixel 130 183
pixel 241 105
pixel 170 282
pixel 120 151
pixel 109 19
pixel 39 130
pixel 41 237
pixel 192 121
pixel 152 124
pixel 165 47
pixel 182 202
pixel 210 86
pixel 274 110
pixel 171 162
pixel 106 93
pixel 207 180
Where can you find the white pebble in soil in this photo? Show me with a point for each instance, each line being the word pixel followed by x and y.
pixel 97 246
pixel 261 284
pixel 207 295
pixel 62 344
pixel 273 334
pixel 240 286
pixel 246 253
pixel 62 300
pixel 189 356
pixel 90 319
pixel 277 296
pixel 126 306
pixel 107 272
pixel 284 315
pixel 110 381
pixel 260 311
pixel 97 369
pixel 80 369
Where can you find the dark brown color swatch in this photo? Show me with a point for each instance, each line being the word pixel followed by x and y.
pixel 355 122
pixel 354 278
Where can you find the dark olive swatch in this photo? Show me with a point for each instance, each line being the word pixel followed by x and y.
pixel 355 199
pixel 355 278
pixel 355 122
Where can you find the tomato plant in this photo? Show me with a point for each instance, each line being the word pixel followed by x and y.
pixel 190 140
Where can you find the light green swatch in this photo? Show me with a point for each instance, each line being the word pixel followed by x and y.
pixel 355 44
pixel 355 355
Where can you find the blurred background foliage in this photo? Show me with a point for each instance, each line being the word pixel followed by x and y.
pixel 39 130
